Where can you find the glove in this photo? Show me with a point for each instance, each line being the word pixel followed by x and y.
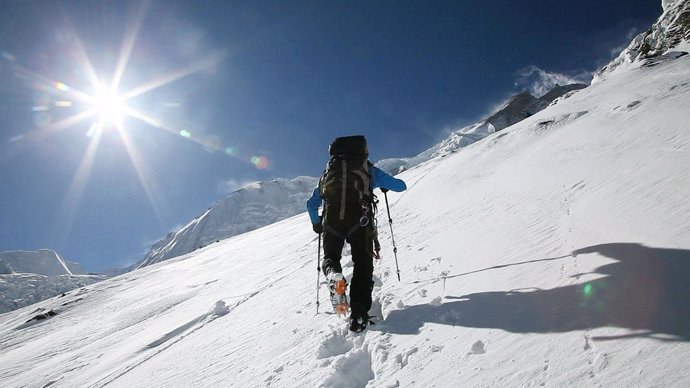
pixel 318 228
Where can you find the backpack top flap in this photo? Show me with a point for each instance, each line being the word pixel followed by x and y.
pixel 349 145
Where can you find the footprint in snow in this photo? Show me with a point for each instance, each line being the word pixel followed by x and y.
pixel 404 357
pixel 353 369
pixel 334 345
pixel 435 259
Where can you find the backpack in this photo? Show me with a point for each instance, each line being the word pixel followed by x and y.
pixel 346 180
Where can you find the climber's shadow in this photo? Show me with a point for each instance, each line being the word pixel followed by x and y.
pixel 646 290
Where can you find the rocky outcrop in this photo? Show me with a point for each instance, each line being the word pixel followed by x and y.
pixel 669 37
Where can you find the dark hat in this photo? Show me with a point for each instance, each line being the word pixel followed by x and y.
pixel 352 145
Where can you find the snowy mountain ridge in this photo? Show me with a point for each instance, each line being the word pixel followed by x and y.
pixel 516 109
pixel 28 277
pixel 254 206
pixel 42 262
pixel 669 37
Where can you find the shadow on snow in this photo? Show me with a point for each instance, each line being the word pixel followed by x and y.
pixel 646 290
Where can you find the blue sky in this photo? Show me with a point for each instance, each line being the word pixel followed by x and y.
pixel 220 93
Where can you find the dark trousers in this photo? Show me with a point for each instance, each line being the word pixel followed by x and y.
pixel 336 233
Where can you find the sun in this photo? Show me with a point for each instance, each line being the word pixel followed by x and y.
pixel 108 105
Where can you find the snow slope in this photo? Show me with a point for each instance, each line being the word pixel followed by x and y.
pixel 552 253
pixel 249 208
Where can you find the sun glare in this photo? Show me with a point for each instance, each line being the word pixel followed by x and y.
pixel 108 105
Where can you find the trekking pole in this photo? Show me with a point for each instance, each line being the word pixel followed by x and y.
pixel 390 223
pixel 318 274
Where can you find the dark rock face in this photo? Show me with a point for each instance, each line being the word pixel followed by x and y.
pixel 524 105
pixel 672 29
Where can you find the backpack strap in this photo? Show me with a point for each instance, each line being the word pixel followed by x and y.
pixel 343 196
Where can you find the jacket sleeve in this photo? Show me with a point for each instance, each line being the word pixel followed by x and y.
pixel 385 181
pixel 313 204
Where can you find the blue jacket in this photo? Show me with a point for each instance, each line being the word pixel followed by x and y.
pixel 378 179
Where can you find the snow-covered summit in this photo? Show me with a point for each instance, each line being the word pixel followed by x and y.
pixel 44 262
pixel 668 38
pixel 524 105
pixel 252 207
pixel 28 277
pixel 516 109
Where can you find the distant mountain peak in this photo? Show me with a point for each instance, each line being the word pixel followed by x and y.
pixel 253 206
pixel 27 277
pixel 44 262
pixel 558 91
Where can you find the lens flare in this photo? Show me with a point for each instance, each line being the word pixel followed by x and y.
pixel 260 162
pixel 588 290
pixel 185 133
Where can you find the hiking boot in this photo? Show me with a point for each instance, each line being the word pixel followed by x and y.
pixel 359 323
pixel 359 319
pixel 337 286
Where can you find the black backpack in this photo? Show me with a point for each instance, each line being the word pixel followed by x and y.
pixel 346 181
